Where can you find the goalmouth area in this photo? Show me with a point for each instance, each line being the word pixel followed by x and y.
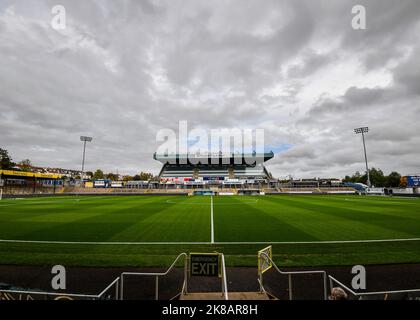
pixel 305 230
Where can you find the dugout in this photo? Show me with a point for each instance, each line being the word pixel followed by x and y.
pixel 204 193
pixel 249 192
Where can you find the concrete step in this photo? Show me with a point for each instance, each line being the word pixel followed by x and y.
pixel 219 296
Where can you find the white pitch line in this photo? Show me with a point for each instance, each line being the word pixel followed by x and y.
pixel 99 242
pixel 212 219
pixel 205 243
pixel 203 203
pixel 322 242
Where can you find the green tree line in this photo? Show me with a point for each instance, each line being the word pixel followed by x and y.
pixel 99 175
pixel 377 178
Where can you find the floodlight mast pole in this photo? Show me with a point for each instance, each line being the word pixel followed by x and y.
pixel 84 139
pixel 84 151
pixel 364 130
pixel 366 161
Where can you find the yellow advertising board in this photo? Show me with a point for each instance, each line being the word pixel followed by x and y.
pixel 29 174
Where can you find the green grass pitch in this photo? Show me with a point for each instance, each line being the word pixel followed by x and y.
pixel 152 230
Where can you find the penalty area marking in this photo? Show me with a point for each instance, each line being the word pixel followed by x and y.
pixel 205 243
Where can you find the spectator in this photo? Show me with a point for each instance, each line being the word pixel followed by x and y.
pixel 338 294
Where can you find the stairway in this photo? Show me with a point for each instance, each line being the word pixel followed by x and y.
pixel 196 173
pixel 232 296
pixel 231 173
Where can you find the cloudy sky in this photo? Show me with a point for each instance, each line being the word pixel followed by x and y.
pixel 123 70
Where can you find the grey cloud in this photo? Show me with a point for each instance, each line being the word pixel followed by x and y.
pixel 353 103
pixel 407 74
pixel 312 62
pixel 363 96
pixel 300 152
pixel 390 26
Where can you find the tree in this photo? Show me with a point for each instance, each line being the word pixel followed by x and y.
pixel 143 176
pixel 98 175
pixel 128 178
pixel 155 178
pixel 89 174
pixel 393 180
pixel 6 162
pixel 356 178
pixel 112 176
pixel 25 165
pixel 377 177
pixel 347 179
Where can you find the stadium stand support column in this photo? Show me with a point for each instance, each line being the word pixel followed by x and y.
pixel 34 187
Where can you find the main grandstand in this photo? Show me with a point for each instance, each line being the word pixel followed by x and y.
pixel 218 170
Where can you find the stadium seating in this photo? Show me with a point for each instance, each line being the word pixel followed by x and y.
pixel 210 172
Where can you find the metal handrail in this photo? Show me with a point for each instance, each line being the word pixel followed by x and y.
pixel 224 284
pixel 262 289
pixel 360 294
pixel 75 295
pixel 116 283
pixel 290 273
pixel 156 275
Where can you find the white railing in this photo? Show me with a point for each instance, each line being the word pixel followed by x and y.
pixel 54 295
pixel 116 284
pixel 64 295
pixel 360 295
pixel 9 294
pixel 157 275
pixel 290 274
pixel 224 280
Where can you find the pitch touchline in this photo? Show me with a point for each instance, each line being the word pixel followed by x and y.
pixel 204 243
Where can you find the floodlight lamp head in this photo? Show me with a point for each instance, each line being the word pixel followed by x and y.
pixel 361 130
pixel 88 139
